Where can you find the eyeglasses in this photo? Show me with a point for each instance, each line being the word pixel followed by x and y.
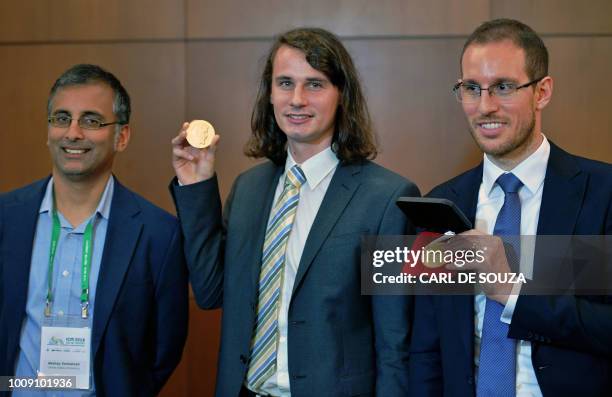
pixel 86 123
pixel 504 91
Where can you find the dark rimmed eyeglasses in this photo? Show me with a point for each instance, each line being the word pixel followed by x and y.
pixel 504 91
pixel 86 123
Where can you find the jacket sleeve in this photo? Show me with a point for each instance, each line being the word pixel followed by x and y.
pixel 198 207
pixel 392 314
pixel 172 307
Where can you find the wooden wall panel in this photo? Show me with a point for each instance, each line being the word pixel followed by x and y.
pixel 421 130
pixel 189 59
pixel 156 87
pixel 78 20
pixel 222 81
pixel 235 18
pixel 579 117
pixel 558 16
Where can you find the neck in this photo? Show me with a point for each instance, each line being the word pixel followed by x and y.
pixel 510 160
pixel 302 152
pixel 77 200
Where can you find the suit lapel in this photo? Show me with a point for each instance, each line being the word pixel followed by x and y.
pixel 261 205
pixel 21 216
pixel 463 311
pixel 465 193
pixel 339 193
pixel 122 235
pixel 564 189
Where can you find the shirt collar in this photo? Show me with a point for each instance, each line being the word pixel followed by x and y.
pixel 104 205
pixel 315 168
pixel 530 171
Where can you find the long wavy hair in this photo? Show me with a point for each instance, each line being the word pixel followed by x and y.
pixel 353 138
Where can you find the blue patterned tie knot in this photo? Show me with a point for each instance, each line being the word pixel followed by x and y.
pixel 509 183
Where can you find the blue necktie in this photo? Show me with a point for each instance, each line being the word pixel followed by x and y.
pixel 497 366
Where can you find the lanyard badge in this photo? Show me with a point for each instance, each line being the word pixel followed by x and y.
pixel 85 265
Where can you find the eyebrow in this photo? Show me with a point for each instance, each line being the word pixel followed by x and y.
pixel 87 113
pixel 496 81
pixel 308 79
pixel 92 113
pixel 316 80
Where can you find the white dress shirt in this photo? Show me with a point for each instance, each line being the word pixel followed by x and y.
pixel 531 172
pixel 319 170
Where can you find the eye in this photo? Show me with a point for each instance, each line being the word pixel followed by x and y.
pixel 285 83
pixel 62 119
pixel 90 122
pixel 315 84
pixel 471 89
pixel 504 88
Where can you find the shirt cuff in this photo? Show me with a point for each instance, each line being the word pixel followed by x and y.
pixel 506 316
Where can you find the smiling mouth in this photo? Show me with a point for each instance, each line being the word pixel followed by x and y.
pixel 298 117
pixel 491 125
pixel 74 151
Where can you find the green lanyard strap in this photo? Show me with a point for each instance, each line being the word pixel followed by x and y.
pixel 85 265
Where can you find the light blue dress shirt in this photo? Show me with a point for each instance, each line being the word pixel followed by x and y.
pixel 66 280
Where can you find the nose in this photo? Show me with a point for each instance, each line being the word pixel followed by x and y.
pixel 298 99
pixel 488 104
pixel 74 131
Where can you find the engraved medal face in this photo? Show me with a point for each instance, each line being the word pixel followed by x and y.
pixel 200 133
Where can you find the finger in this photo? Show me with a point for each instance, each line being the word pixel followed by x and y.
pixel 213 144
pixel 180 139
pixel 179 153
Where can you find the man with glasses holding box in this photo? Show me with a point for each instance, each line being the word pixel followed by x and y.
pixel 93 286
pixel 504 341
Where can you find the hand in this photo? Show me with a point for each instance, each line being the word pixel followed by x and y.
pixel 192 165
pixel 495 261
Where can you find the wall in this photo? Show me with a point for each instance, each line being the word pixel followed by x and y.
pixel 189 59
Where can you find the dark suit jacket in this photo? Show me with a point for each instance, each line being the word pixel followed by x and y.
pixel 340 343
pixel 571 336
pixel 140 317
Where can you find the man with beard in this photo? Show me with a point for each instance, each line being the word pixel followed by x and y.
pixel 504 341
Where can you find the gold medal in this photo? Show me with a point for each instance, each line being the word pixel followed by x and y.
pixel 200 133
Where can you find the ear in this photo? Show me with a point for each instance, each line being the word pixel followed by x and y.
pixel 122 138
pixel 543 92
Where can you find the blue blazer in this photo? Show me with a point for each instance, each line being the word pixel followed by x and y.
pixel 140 322
pixel 340 343
pixel 571 336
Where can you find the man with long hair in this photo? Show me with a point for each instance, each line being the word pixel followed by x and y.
pixel 284 260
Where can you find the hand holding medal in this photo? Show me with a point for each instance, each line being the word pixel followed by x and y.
pixel 193 152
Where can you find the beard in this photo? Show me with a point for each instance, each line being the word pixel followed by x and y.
pixel 516 142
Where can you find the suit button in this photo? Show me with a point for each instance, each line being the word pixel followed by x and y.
pixel 243 359
pixel 470 380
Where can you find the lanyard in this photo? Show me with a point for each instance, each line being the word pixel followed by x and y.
pixel 85 265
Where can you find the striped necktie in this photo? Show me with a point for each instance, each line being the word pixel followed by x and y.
pixel 497 365
pixel 265 339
